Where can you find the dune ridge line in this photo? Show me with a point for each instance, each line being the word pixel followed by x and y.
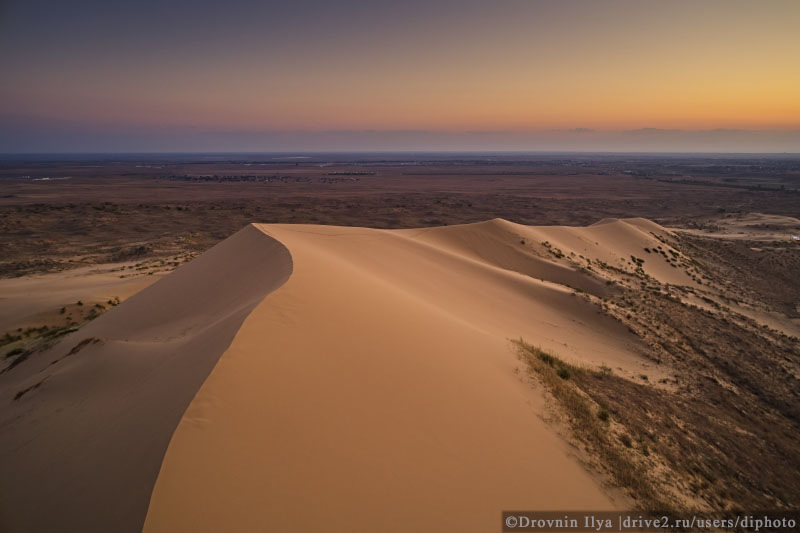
pixel 379 381
pixel 112 406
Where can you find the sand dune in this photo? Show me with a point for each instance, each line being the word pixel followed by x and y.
pixel 377 387
pixel 367 382
pixel 81 450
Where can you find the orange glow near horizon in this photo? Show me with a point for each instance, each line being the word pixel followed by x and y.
pixel 516 65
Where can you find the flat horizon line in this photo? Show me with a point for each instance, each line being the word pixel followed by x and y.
pixel 402 152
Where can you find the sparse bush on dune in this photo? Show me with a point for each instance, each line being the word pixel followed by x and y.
pixel 730 392
pixel 39 338
pixel 589 424
pixel 16 359
pixel 15 351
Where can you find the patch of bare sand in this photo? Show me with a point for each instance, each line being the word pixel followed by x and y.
pixel 751 227
pixel 771 319
pixel 376 389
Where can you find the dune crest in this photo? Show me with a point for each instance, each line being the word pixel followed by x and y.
pixel 377 385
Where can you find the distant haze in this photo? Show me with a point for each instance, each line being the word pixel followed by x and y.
pixel 246 75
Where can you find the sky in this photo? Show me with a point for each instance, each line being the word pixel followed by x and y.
pixel 242 75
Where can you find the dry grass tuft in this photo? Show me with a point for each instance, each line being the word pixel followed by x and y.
pixel 589 424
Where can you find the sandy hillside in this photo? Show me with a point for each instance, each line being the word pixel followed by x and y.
pixel 322 377
pixel 35 300
pixel 379 381
pixel 84 426
pixel 769 240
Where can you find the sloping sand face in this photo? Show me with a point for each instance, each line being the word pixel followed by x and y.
pixel 376 389
pixel 81 449
pixel 367 383
pixel 34 300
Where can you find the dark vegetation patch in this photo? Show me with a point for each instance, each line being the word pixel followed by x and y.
pixel 771 273
pixel 130 252
pixel 83 344
pixel 730 450
pixel 15 351
pixel 589 423
pixel 727 424
pixel 77 348
pixel 19 357
pixel 724 429
pixel 26 390
pixel 732 453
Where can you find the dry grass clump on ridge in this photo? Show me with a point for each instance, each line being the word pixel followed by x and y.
pixel 590 425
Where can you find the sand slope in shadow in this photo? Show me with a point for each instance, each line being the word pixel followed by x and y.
pixel 81 450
